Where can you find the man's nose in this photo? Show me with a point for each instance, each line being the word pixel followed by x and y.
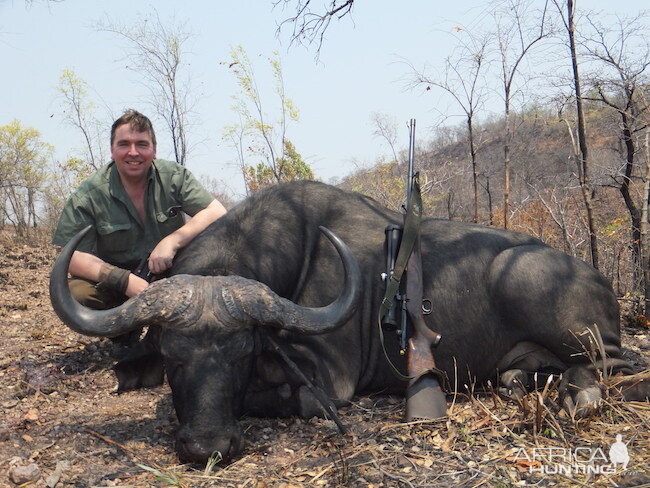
pixel 133 150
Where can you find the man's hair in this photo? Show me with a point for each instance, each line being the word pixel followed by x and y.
pixel 137 121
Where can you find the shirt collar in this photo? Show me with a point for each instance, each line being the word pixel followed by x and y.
pixel 115 184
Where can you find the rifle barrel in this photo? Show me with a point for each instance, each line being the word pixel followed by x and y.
pixel 411 168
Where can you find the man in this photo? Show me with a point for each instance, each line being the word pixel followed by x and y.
pixel 135 206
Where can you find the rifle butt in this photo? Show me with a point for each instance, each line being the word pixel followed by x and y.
pixel 425 398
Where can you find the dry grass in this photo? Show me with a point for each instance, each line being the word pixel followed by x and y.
pixel 483 442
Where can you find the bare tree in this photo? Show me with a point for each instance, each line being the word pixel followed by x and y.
pixel 622 57
pixel 580 146
pixel 463 80
pixel 79 112
pixel 386 129
pixel 265 155
pixel 157 53
pixel 518 29
pixel 488 193
pixel 309 24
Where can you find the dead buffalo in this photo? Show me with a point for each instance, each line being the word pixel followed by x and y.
pixel 504 302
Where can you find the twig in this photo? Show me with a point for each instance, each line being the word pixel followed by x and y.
pixel 487 410
pixel 392 476
pixel 121 446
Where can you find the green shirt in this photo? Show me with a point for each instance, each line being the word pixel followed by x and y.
pixel 118 236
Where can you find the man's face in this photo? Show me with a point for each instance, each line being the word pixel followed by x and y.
pixel 133 152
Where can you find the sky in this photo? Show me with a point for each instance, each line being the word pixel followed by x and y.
pixel 362 69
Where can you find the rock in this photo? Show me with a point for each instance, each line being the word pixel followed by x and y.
pixel 24 472
pixel 42 378
pixel 52 480
pixel 5 432
pixel 31 415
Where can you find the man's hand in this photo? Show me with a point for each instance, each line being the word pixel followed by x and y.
pixel 163 254
pixel 136 285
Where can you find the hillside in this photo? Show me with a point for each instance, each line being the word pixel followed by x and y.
pixel 545 194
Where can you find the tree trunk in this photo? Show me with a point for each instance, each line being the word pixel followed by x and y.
pixel 645 255
pixel 450 199
pixel 472 152
pixel 31 207
pixel 582 141
pixel 506 165
pixel 635 214
pixel 489 197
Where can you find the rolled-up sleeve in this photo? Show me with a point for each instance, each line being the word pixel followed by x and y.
pixel 73 219
pixel 191 193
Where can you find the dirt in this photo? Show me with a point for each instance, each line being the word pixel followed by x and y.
pixel 64 425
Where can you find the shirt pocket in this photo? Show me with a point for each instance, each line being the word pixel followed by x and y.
pixel 170 221
pixel 115 239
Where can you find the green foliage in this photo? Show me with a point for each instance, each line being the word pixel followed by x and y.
pixel 63 178
pixel 79 168
pixel 79 112
pixel 615 227
pixel 23 158
pixel 74 90
pixel 256 137
pixel 166 476
pixel 291 167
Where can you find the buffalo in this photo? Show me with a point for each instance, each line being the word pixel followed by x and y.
pixel 505 303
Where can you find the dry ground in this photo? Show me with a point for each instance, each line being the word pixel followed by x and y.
pixel 63 425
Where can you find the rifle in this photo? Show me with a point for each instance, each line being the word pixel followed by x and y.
pixel 424 396
pixel 143 270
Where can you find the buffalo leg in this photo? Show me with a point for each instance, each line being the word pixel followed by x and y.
pixel 567 308
pixel 522 362
pixel 143 366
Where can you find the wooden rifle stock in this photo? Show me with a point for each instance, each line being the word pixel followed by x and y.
pixel 424 396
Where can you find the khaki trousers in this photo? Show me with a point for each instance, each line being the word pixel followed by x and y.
pixel 86 293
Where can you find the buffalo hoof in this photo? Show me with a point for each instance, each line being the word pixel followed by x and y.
pixel 514 384
pixel 580 392
pixel 308 404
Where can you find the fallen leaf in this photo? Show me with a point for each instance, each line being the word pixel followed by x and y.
pixel 31 415
pixel 523 465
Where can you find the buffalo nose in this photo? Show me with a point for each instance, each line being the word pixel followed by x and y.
pixel 198 449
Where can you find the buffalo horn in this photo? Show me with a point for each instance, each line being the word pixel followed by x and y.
pixel 98 323
pixel 257 302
